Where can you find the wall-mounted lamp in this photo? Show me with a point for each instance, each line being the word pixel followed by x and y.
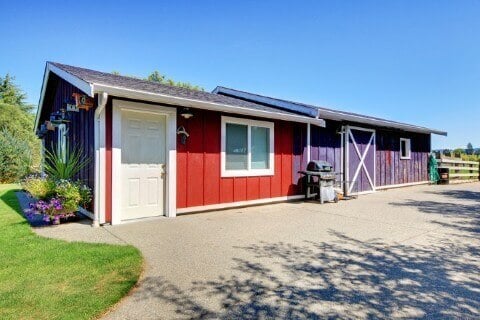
pixel 186 113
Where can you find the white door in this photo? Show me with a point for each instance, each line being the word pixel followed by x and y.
pixel 143 165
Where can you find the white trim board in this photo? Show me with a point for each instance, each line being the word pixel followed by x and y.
pixel 401 185
pixel 171 145
pixel 246 203
pixel 213 106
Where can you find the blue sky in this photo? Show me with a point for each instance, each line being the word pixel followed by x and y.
pixel 410 61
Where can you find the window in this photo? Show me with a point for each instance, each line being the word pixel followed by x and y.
pixel 404 148
pixel 62 142
pixel 247 147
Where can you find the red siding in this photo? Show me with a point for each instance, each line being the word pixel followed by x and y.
pixel 198 166
pixel 211 187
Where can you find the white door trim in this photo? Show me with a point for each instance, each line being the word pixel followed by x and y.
pixel 348 136
pixel 171 158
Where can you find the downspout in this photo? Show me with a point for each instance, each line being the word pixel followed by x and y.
pixel 102 102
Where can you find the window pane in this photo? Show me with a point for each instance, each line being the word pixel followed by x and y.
pixel 260 148
pixel 236 155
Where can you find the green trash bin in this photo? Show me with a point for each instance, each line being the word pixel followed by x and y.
pixel 433 169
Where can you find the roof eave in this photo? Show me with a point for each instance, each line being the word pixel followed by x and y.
pixel 338 116
pixel 84 86
pixel 324 114
pixel 193 103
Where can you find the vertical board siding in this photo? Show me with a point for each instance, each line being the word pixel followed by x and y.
pixel 198 164
pixel 326 144
pixel 393 170
pixel 80 128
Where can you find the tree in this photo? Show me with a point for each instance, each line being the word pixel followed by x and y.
pixel 156 76
pixel 15 157
pixel 469 149
pixel 16 125
pixel 10 93
pixel 459 151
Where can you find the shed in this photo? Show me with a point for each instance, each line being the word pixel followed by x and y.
pixel 158 150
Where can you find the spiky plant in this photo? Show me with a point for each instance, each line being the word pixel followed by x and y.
pixel 64 166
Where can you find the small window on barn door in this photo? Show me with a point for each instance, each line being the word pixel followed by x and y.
pixel 247 147
pixel 62 142
pixel 404 148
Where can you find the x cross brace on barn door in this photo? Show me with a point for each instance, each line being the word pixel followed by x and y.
pixel 362 160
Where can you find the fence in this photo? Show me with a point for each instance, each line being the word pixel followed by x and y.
pixel 458 170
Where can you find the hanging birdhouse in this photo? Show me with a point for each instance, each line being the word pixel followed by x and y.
pixel 49 126
pixel 83 101
pixel 71 106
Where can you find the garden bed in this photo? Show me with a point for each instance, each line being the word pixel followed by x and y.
pixel 36 220
pixel 52 201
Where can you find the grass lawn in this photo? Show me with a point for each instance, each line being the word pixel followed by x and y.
pixel 51 279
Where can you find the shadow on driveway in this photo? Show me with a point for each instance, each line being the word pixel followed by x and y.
pixel 343 278
pixel 463 211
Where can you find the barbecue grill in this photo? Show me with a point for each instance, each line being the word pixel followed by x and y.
pixel 320 181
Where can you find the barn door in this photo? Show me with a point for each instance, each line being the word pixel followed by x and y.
pixel 359 160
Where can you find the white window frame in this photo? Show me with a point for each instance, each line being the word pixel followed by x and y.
pixel 62 142
pixel 247 172
pixel 408 148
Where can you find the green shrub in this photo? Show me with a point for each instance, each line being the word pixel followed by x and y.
pixel 470 157
pixel 69 193
pixel 85 194
pixel 39 187
pixel 15 157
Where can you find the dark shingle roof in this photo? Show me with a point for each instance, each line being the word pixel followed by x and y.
pixel 109 79
pixel 323 113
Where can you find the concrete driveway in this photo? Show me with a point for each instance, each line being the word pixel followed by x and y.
pixel 404 253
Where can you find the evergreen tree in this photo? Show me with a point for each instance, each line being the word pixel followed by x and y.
pixel 16 132
pixel 11 94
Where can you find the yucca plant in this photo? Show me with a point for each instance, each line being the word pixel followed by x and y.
pixel 64 166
